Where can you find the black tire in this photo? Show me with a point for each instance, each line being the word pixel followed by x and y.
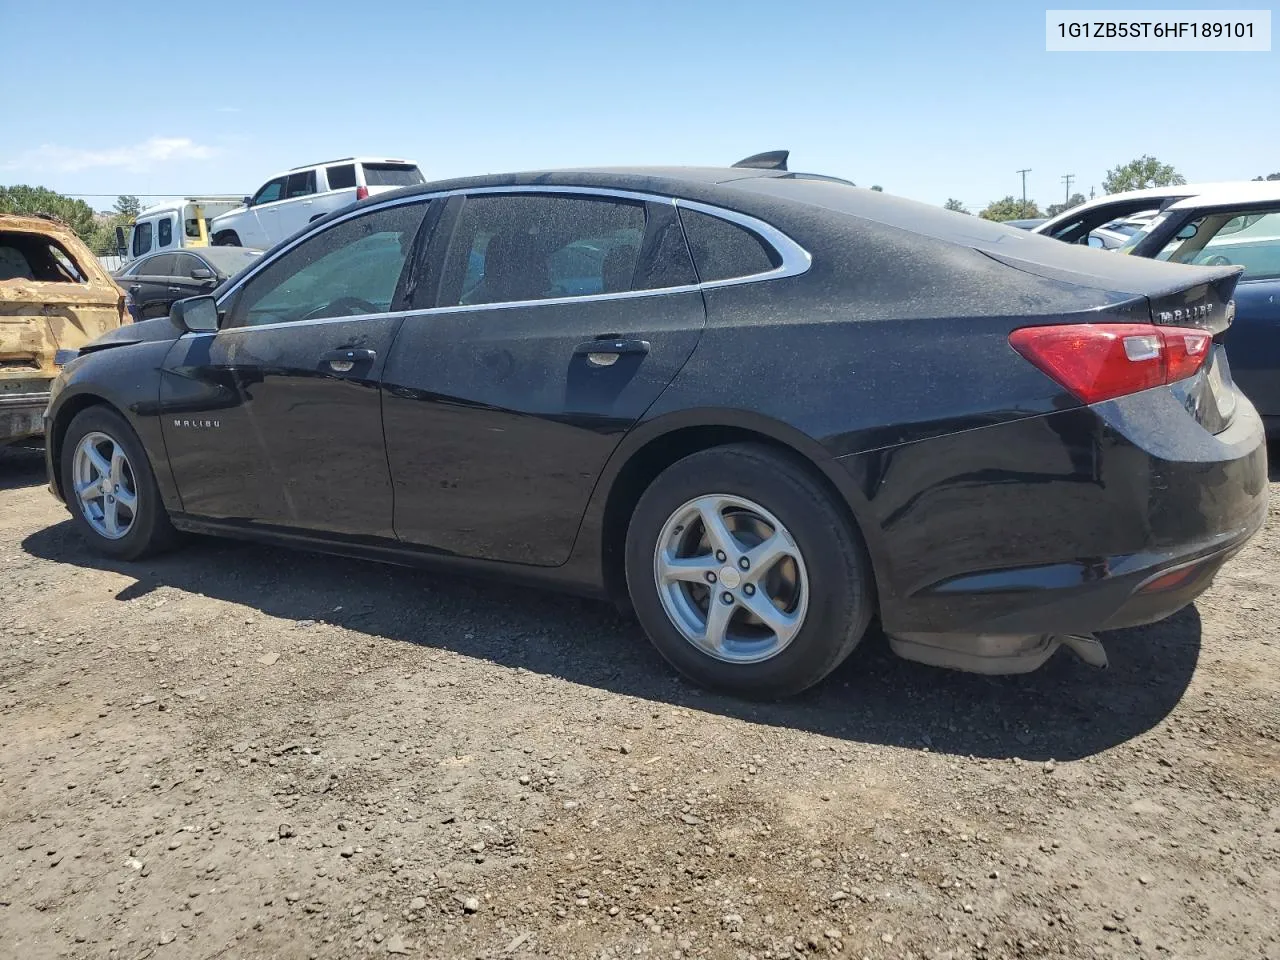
pixel 151 532
pixel 228 238
pixel 841 595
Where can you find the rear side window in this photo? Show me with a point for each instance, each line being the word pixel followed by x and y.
pixel 31 256
pixel 520 247
pixel 723 250
pixel 164 233
pixel 392 175
pixel 300 184
pixel 141 239
pixel 341 177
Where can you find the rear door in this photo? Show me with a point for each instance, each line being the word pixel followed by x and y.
pixel 553 321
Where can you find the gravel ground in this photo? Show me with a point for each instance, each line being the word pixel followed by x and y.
pixel 243 752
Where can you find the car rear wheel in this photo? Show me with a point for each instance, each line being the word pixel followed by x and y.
pixel 228 238
pixel 745 573
pixel 110 488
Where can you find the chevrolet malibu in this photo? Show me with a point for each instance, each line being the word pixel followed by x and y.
pixel 757 407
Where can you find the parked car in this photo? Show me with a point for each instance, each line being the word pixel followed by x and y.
pixel 289 201
pixel 757 408
pixel 1075 225
pixel 1233 226
pixel 179 224
pixel 54 295
pixel 1028 224
pixel 153 283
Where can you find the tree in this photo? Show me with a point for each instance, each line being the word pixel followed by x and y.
pixel 1056 208
pixel 878 189
pixel 1010 208
pixel 1269 176
pixel 955 206
pixel 77 214
pixel 1138 174
pixel 128 206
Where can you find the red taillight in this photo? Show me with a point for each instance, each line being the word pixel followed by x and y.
pixel 1099 361
pixel 362 193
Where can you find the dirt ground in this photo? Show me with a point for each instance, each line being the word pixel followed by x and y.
pixel 245 752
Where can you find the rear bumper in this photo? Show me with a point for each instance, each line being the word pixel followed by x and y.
pixel 22 416
pixel 1085 520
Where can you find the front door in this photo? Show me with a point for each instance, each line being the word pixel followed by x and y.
pixel 559 319
pixel 276 419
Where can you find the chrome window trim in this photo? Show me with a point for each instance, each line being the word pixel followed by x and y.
pixel 795 259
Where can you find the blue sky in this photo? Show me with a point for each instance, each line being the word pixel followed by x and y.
pixel 930 100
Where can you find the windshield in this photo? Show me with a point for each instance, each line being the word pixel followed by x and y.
pixel 1142 234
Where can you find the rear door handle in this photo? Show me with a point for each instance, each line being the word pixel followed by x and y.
pixel 175 289
pixel 605 353
pixel 344 359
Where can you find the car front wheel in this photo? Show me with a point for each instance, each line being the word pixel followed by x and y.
pixel 110 488
pixel 745 573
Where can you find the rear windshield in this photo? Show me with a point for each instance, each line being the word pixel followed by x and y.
pixel 392 175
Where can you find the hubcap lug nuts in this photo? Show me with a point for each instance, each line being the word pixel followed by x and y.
pixel 749 590
pixel 744 563
pixel 720 556
pixel 711 578
pixel 726 597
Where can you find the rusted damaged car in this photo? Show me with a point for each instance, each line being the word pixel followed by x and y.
pixel 54 296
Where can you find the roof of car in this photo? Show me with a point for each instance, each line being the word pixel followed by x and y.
pixel 1231 194
pixel 1157 196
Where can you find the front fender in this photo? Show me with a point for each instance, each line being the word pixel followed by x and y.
pixel 126 378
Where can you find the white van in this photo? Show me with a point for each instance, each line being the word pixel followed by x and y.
pixel 172 225
pixel 289 201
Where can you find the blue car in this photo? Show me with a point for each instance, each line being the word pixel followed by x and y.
pixel 1233 226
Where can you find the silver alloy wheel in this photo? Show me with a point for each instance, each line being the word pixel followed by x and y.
pixel 731 578
pixel 104 485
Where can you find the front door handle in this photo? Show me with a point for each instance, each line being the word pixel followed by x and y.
pixel 605 353
pixel 175 289
pixel 344 359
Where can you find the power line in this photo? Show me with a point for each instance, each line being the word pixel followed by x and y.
pixel 1067 178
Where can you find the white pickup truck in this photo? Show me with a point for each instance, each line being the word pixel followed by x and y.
pixel 289 201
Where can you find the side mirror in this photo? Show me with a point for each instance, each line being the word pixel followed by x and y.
pixel 247 201
pixel 1096 242
pixel 195 315
pixel 122 248
pixel 201 273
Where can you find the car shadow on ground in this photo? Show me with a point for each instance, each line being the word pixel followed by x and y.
pixel 1065 710
pixel 21 467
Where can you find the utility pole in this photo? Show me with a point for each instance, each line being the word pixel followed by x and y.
pixel 1067 178
pixel 1024 190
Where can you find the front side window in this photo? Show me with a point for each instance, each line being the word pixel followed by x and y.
pixel 184 264
pixel 158 266
pixel 192 227
pixel 300 184
pixel 165 232
pixel 270 191
pixel 341 177
pixel 725 251
pixel 349 269
pixel 509 248
pixel 141 239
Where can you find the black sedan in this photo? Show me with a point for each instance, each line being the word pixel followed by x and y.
pixel 152 284
pixel 759 408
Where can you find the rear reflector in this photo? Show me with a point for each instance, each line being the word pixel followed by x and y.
pixel 362 193
pixel 1100 361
